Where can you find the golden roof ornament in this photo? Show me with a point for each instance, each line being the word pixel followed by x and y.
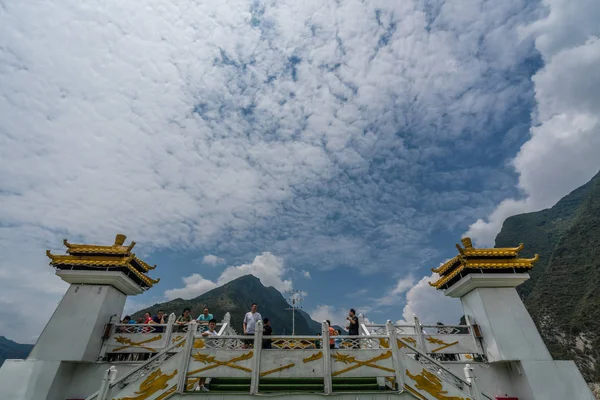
pixel 486 260
pixel 115 257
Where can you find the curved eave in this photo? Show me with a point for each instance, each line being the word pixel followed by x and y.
pixel 58 260
pixel 507 263
pixel 144 265
pixel 446 266
pixel 442 281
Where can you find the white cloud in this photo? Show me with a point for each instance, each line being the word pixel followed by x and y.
pixel 306 274
pixel 213 260
pixel 562 153
pixel 430 305
pixel 395 295
pixel 160 119
pixel 324 312
pixel 195 285
pixel 267 267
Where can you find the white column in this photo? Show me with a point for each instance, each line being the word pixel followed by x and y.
pixel 326 357
pixel 255 379
pixel 169 330
pixel 470 377
pixel 109 377
pixel 396 355
pixel 420 337
pixel 186 354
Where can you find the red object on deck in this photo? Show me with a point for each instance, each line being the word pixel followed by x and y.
pixel 507 398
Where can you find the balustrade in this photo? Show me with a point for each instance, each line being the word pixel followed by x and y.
pixel 383 353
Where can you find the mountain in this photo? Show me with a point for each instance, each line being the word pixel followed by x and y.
pixel 563 294
pixel 13 350
pixel 236 298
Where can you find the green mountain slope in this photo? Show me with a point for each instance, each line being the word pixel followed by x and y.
pixel 236 297
pixel 13 350
pixel 563 294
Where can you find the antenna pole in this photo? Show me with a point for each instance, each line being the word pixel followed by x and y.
pixel 294 299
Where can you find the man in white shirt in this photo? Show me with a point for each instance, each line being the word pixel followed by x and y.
pixel 209 344
pixel 250 320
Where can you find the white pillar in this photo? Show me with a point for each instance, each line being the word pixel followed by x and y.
pixel 396 355
pixel 419 333
pixel 81 317
pixel 326 357
pixel 255 379
pixel 509 333
pixel 186 355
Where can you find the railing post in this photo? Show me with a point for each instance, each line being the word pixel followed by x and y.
pixel 396 355
pixel 109 377
pixel 470 377
pixel 420 338
pixel 326 357
pixel 227 318
pixel 170 321
pixel 255 379
pixel 187 353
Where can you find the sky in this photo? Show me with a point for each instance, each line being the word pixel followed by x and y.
pixel 339 148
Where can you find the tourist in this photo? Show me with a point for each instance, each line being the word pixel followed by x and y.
pixel 160 317
pixel 205 317
pixel 209 344
pixel 184 318
pixel 353 327
pixel 267 331
pixel 338 341
pixel 250 320
pixel 332 333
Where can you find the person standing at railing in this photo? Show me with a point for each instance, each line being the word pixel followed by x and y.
pixel 204 318
pixel 332 333
pixel 160 318
pixel 353 327
pixel 250 320
pixel 267 331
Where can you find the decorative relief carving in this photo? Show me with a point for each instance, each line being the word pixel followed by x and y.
pixel 348 359
pixel 410 340
pixel 282 368
pixel 432 384
pixel 212 362
pixel 130 343
pixel 439 341
pixel 154 383
pixel 314 357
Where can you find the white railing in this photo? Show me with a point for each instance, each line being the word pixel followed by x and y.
pixel 135 342
pixel 445 342
pixel 387 357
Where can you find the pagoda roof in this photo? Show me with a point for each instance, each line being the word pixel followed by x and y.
pixel 115 257
pixel 491 259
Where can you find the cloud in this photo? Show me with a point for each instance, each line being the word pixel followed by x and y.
pixel 212 260
pixel 562 153
pixel 430 305
pixel 395 295
pixel 344 135
pixel 324 312
pixel 266 267
pixel 306 274
pixel 195 285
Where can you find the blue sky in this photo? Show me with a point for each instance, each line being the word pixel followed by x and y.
pixel 352 141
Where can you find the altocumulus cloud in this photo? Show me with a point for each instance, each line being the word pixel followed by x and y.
pixel 338 134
